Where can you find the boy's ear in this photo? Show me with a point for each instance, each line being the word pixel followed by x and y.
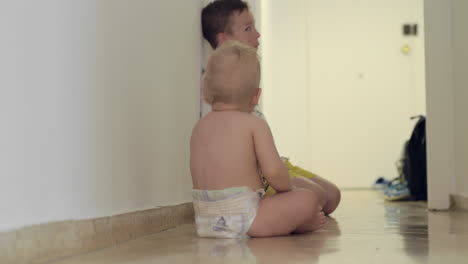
pixel 221 38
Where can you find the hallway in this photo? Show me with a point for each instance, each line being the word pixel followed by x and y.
pixel 364 229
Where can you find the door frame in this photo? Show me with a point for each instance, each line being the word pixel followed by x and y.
pixel 439 103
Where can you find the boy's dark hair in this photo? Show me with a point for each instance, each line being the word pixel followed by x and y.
pixel 216 18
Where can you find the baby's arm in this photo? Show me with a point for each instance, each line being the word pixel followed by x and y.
pixel 271 165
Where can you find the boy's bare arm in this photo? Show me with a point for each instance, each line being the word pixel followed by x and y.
pixel 271 165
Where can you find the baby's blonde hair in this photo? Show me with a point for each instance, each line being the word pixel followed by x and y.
pixel 232 74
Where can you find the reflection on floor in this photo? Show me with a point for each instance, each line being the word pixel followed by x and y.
pixel 364 229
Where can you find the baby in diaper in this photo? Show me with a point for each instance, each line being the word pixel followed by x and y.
pixel 230 148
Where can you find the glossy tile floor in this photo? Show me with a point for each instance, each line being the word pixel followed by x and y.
pixel 364 229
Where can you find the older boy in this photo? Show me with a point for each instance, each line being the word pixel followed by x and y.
pixel 224 20
pixel 228 148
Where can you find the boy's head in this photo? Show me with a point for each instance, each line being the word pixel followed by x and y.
pixel 233 75
pixel 224 20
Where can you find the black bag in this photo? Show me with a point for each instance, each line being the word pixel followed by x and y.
pixel 415 163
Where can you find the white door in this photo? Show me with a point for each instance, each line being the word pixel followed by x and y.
pixel 364 80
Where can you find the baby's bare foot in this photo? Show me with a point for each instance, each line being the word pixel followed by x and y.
pixel 318 222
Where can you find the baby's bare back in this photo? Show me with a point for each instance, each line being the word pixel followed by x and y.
pixel 223 153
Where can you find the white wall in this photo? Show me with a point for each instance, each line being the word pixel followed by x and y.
pixel 338 91
pixel 97 102
pixel 284 75
pixel 460 82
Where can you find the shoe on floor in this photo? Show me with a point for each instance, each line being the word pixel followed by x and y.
pixel 397 191
pixel 380 183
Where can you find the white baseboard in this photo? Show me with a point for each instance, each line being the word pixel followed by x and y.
pixel 51 241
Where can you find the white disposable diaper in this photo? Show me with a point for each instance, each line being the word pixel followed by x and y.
pixel 227 213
